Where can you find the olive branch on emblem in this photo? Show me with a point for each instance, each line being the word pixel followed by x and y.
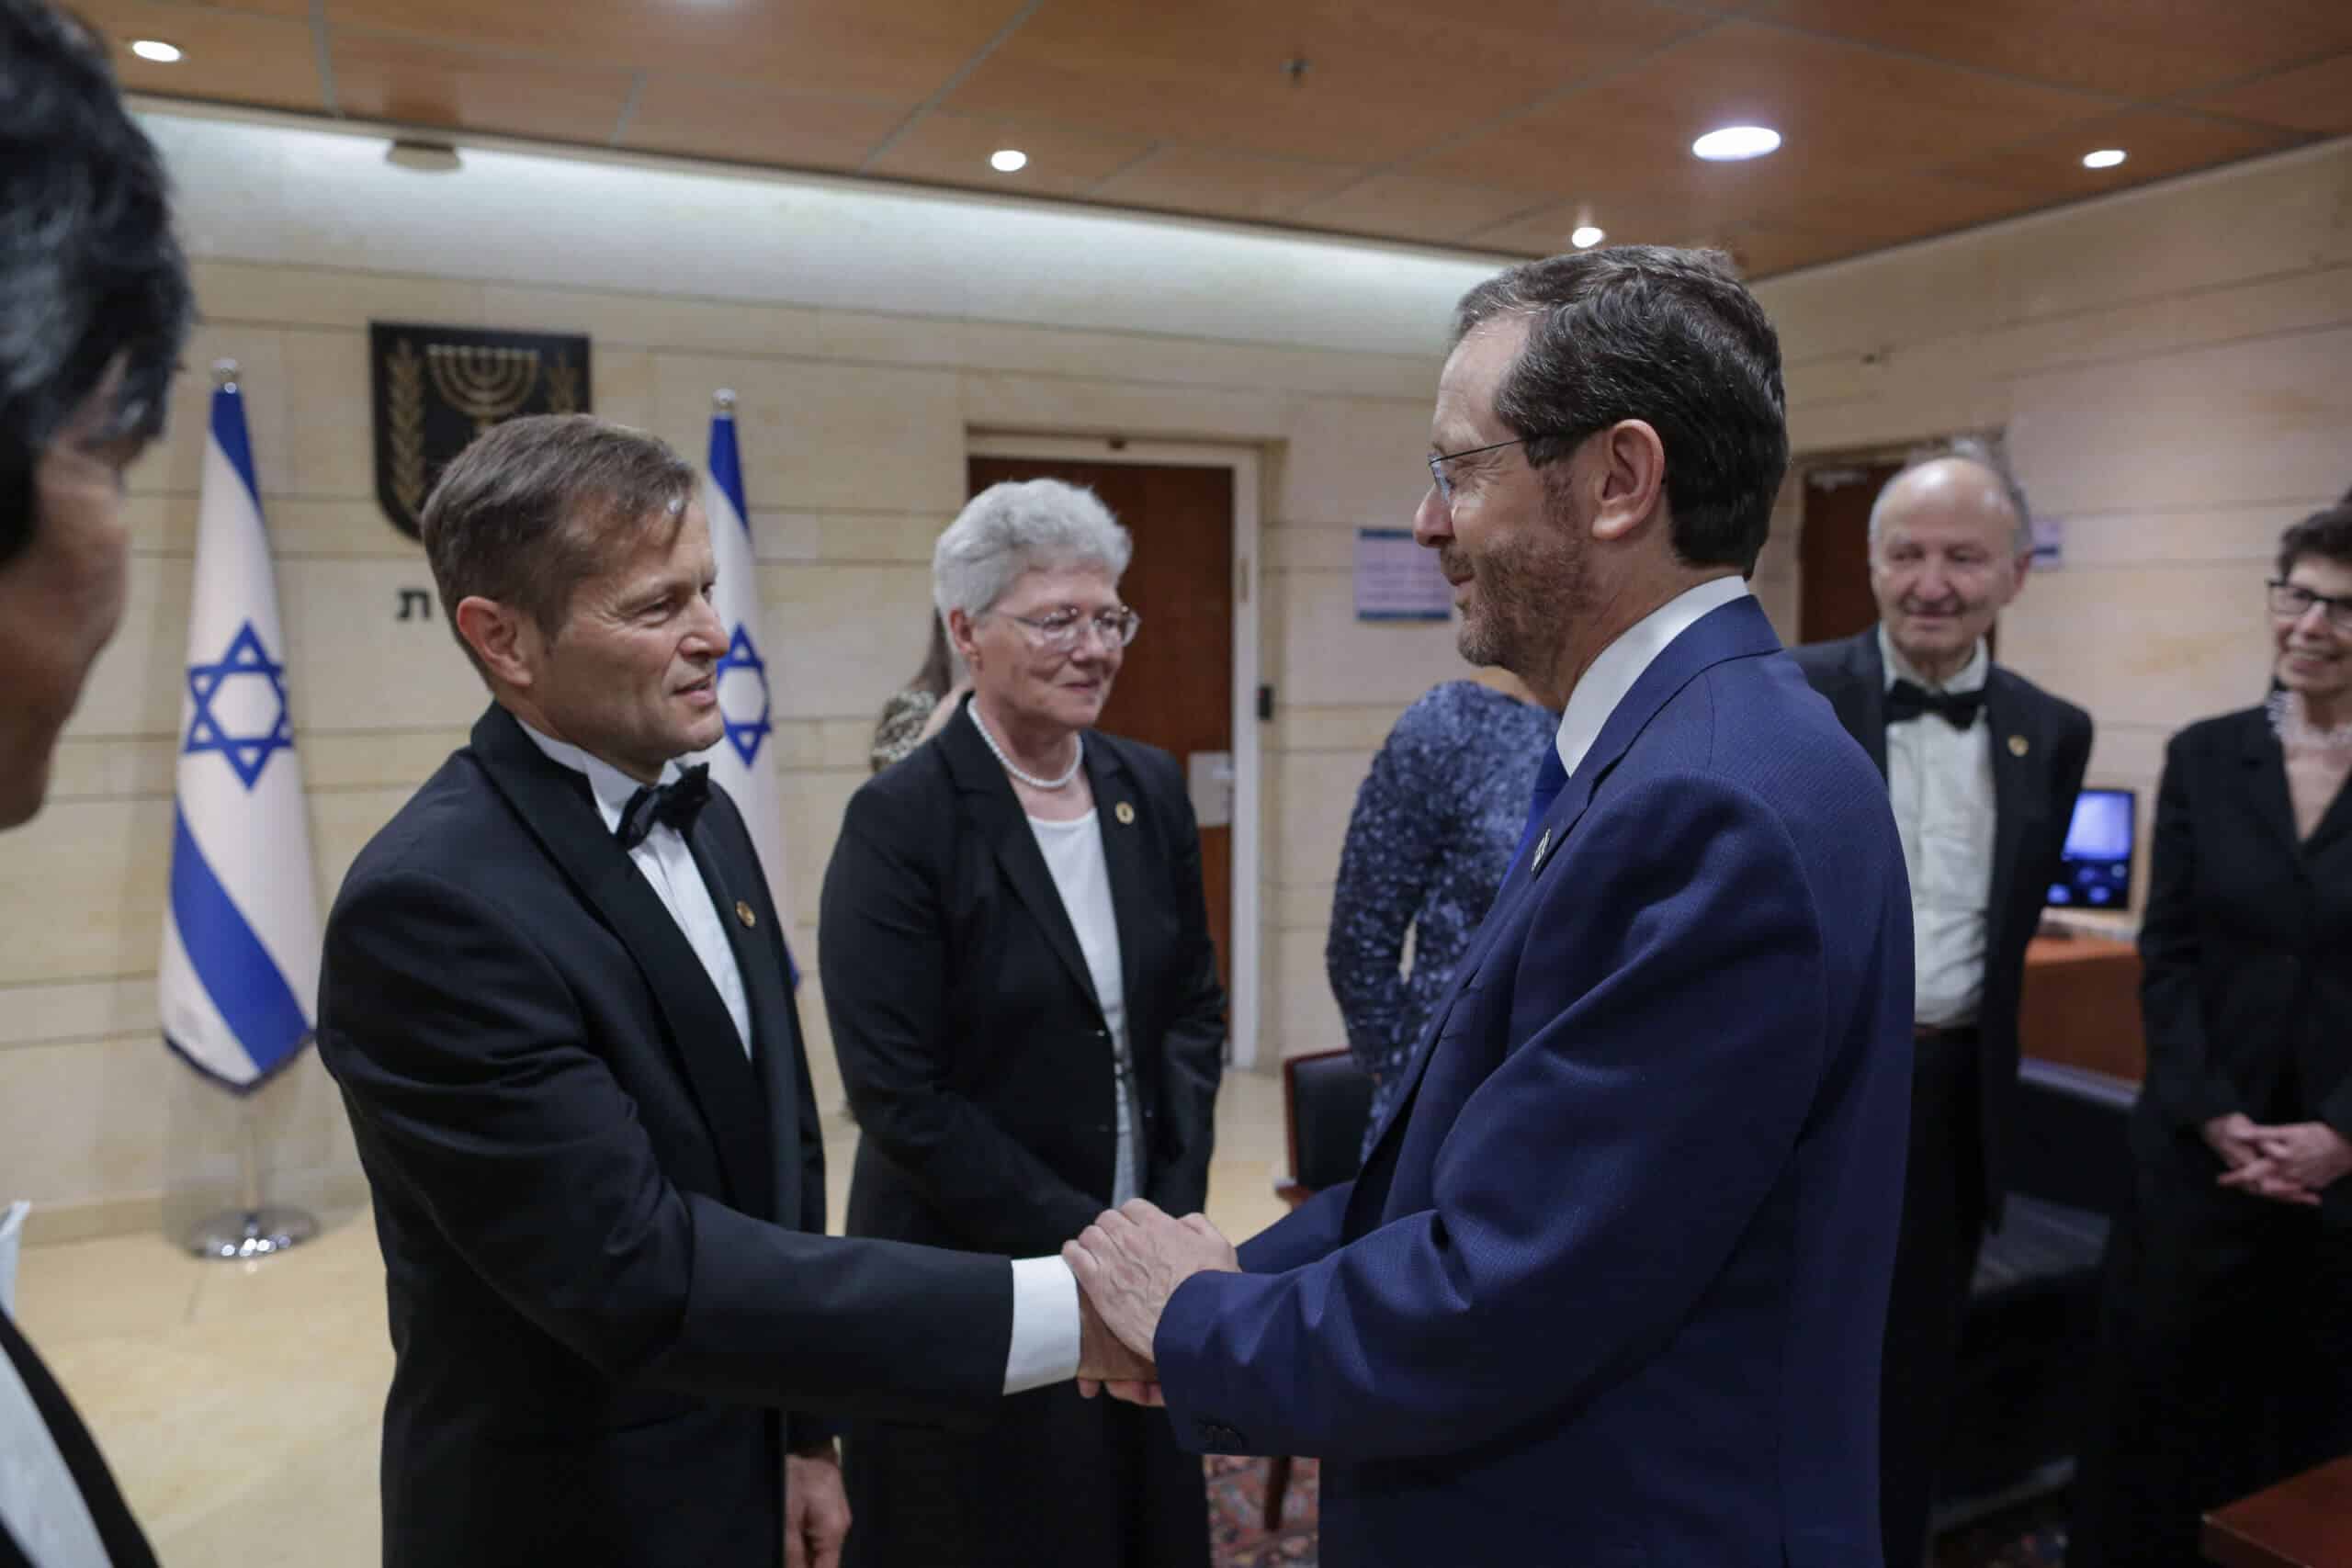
pixel 404 376
pixel 563 385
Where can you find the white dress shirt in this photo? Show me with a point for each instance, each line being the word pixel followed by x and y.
pixel 668 863
pixel 1073 852
pixel 40 1505
pixel 1044 1293
pixel 1940 781
pixel 1604 686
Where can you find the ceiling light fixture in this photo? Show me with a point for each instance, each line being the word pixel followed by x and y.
pixel 2105 158
pixel 1008 160
pixel 1586 237
pixel 1734 142
pixel 157 50
pixel 423 157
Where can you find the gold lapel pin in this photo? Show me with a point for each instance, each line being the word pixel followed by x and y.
pixel 2018 746
pixel 1124 813
pixel 743 913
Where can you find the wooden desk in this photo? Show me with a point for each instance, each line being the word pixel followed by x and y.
pixel 2305 1522
pixel 2081 1005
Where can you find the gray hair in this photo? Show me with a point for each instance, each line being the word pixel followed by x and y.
pixel 1985 454
pixel 1012 528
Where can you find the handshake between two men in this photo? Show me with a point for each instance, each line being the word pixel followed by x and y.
pixel 1129 1263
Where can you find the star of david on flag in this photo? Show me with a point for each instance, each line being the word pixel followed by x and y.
pixel 237 983
pixel 745 735
pixel 742 762
pixel 248 753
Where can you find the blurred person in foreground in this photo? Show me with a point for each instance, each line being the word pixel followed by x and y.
pixel 1612 1284
pixel 1024 1001
pixel 2225 1354
pixel 94 305
pixel 556 999
pixel 1982 768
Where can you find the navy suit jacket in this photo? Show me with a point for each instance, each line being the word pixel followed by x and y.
pixel 1611 1287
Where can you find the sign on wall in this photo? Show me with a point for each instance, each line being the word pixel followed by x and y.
pixel 1397 580
pixel 437 388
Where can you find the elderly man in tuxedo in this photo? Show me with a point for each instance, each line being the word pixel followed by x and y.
pixel 1609 1287
pixel 94 310
pixel 555 997
pixel 1982 767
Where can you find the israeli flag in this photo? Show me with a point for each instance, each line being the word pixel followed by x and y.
pixel 744 761
pixel 239 982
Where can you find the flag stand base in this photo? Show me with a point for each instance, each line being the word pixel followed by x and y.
pixel 237 1235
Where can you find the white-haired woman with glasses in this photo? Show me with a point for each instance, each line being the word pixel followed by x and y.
pixel 2225 1360
pixel 1016 960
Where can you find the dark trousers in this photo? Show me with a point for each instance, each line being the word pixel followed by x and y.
pixel 1056 1482
pixel 1935 1259
pixel 2224 1362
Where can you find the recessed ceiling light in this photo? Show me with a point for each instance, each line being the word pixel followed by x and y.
pixel 1008 160
pixel 2105 158
pixel 1585 238
pixel 157 50
pixel 1736 142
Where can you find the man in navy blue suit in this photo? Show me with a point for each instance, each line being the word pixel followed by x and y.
pixel 1611 1287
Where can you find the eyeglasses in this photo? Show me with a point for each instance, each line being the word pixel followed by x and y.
pixel 1061 630
pixel 2292 602
pixel 1437 472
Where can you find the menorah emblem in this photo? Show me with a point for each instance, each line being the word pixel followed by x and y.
pixel 482 382
pixel 439 388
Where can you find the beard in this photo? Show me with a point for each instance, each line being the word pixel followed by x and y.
pixel 1526 592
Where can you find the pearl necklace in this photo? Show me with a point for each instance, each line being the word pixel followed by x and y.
pixel 1032 780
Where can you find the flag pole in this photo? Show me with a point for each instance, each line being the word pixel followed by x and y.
pixel 219 898
pixel 253 1229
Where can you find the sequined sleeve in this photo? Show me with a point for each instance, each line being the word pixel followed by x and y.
pixel 899 729
pixel 1395 838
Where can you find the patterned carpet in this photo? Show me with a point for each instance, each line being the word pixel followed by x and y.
pixel 2031 1535
pixel 1238 1536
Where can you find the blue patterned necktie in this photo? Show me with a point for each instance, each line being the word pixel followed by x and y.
pixel 1551 778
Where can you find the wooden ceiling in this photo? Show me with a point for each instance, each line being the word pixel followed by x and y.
pixel 1501 127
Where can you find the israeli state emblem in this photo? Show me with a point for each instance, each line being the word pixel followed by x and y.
pixel 435 388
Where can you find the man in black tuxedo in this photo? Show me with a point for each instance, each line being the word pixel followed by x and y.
pixel 555 996
pixel 94 309
pixel 1982 767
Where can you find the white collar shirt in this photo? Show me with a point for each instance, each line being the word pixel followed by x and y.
pixel 668 865
pixel 1939 782
pixel 1621 664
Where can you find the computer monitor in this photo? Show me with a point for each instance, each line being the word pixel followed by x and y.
pixel 2096 865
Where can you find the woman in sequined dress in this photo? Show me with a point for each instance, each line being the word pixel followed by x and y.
pixel 1432 835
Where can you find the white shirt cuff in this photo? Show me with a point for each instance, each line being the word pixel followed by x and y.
pixel 1045 1324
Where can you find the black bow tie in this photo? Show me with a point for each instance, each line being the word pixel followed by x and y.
pixel 1906 700
pixel 678 803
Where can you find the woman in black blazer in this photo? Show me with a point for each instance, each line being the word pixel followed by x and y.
pixel 1016 960
pixel 2226 1361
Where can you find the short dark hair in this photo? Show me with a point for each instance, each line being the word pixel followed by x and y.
pixel 1667 336
pixel 90 268
pixel 537 505
pixel 2326 533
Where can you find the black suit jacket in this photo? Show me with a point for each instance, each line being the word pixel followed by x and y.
pixel 601 1223
pixel 2246 950
pixel 2034 786
pixel 970 1039
pixel 117 1531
